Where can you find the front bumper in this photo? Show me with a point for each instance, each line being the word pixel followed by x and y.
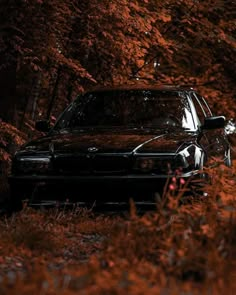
pixel 97 178
pixel 80 188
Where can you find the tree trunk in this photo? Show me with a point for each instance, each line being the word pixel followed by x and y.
pixel 70 88
pixel 8 66
pixel 54 93
pixel 8 92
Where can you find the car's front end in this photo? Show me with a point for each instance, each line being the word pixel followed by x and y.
pixel 111 166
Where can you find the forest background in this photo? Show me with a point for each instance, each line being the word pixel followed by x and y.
pixel 50 51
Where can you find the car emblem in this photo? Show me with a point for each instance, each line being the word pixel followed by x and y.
pixel 92 149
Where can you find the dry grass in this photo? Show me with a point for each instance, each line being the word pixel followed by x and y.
pixel 178 249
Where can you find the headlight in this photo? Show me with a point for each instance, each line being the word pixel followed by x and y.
pixel 145 164
pixel 31 165
pixel 158 165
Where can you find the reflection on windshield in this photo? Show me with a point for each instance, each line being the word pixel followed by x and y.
pixel 129 108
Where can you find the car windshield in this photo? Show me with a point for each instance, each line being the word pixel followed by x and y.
pixel 124 108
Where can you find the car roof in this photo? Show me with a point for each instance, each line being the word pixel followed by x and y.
pixel 138 86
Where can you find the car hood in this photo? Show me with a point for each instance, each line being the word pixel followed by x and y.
pixel 141 141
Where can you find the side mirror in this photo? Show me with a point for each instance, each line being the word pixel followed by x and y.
pixel 230 127
pixel 214 122
pixel 42 125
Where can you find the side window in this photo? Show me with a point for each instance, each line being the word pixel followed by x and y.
pixel 201 107
pixel 199 110
pixel 204 105
pixel 64 119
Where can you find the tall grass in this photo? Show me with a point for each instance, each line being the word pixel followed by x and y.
pixel 177 249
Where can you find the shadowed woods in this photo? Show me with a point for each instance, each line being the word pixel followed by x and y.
pixel 51 51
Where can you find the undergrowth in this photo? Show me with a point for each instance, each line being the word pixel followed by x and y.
pixel 176 249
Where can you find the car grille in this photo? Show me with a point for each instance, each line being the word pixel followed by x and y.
pixel 110 164
pixel 72 165
pixel 91 164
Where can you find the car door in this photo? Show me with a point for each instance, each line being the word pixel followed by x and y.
pixel 213 141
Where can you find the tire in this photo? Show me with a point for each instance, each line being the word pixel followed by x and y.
pixel 8 202
pixel 14 201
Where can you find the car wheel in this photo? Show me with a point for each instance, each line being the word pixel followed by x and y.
pixel 16 196
pixel 9 203
pixel 14 205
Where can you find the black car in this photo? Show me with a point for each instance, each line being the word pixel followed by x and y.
pixel 110 144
